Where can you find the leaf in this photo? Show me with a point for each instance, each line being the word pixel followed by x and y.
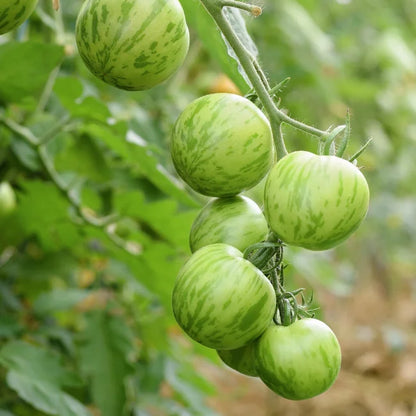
pixel 190 386
pixel 83 157
pixel 306 37
pixel 70 92
pixel 45 396
pixel 26 154
pixel 135 150
pixel 36 363
pixel 37 375
pixel 44 211
pixel 162 216
pixel 200 20
pixel 33 275
pixel 25 68
pixel 5 413
pixel 9 326
pixel 106 345
pixel 239 27
pixel 58 300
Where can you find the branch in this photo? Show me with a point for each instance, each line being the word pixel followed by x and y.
pixel 104 223
pixel 254 10
pixel 55 4
pixel 256 77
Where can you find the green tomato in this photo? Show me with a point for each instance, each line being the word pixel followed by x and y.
pixel 315 202
pixel 237 221
pixel 298 361
pixel 222 144
pixel 222 300
pixel 7 199
pixel 241 359
pixel 132 44
pixel 14 12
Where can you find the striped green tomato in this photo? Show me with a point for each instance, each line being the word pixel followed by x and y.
pixel 132 44
pixel 14 12
pixel 222 144
pixel 237 221
pixel 241 359
pixel 7 199
pixel 298 361
pixel 222 300
pixel 315 202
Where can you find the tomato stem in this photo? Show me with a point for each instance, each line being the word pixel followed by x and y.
pixel 256 75
pixel 251 8
pixel 40 146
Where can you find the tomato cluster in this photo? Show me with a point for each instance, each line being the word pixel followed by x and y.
pixel 222 145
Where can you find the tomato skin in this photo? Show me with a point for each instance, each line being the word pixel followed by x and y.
pixel 222 144
pixel 14 13
pixel 298 361
pixel 315 202
pixel 132 44
pixel 7 199
pixel 237 221
pixel 222 300
pixel 240 359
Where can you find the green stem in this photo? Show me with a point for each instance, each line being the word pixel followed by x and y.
pixel 247 62
pixel 257 79
pixel 254 10
pixel 39 145
pixel 21 131
pixel 46 93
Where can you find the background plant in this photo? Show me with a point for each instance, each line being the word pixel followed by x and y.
pixel 89 257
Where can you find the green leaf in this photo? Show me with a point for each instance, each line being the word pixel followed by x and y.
pixel 83 157
pixel 9 326
pixel 70 92
pixel 45 396
pixel 309 41
pixel 37 375
pixel 106 345
pixel 25 68
pixel 158 215
pixel 36 363
pixel 58 300
pixel 26 154
pixel 136 152
pixel 238 24
pixel 200 20
pixel 44 211
pixel 190 386
pixel 32 276
pixel 5 413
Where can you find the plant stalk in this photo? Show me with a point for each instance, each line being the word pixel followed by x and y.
pixel 40 147
pixel 257 79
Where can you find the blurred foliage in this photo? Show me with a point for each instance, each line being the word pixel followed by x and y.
pixel 85 315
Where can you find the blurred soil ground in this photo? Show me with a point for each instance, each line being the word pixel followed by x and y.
pixel 377 332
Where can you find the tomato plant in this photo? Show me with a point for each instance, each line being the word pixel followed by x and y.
pixel 222 300
pixel 7 199
pixel 222 144
pixel 237 221
pixel 240 359
pixel 298 361
pixel 132 45
pixel 315 202
pixel 14 13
